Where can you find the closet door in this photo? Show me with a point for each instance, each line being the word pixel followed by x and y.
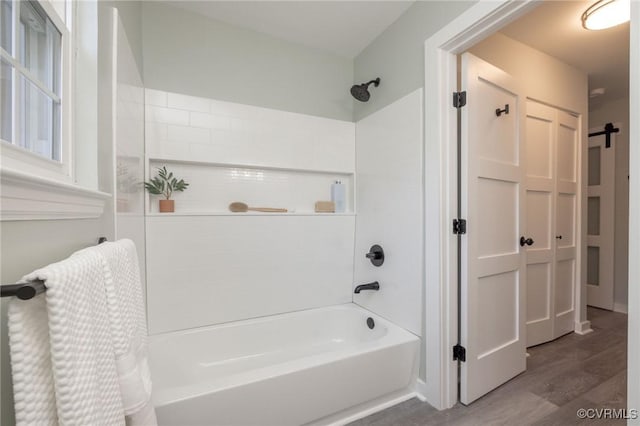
pixel 540 201
pixel 567 172
pixel 552 143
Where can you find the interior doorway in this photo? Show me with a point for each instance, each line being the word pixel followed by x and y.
pixel 441 47
pixel 532 175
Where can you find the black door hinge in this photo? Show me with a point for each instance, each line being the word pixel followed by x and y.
pixel 459 353
pixel 459 99
pixel 459 226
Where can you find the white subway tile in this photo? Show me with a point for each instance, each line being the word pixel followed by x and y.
pixel 155 97
pixel 237 125
pixel 152 147
pixel 189 103
pixel 233 110
pixel 220 137
pixel 222 238
pixel 176 151
pixel 221 122
pixel 166 115
pixel 220 107
pixel 155 131
pixel 252 135
pixel 203 152
pixel 210 121
pixel 187 134
pixel 200 119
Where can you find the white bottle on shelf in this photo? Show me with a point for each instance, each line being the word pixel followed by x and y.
pixel 338 196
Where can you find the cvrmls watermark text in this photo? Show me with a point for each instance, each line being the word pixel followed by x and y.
pixel 607 413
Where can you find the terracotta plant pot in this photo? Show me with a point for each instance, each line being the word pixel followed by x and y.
pixel 167 206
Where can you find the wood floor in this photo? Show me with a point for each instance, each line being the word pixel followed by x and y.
pixel 562 376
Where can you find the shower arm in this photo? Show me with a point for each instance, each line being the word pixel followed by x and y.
pixel 375 82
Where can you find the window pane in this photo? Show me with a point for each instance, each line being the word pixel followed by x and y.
pixel 39 121
pixel 593 216
pixel 6 87
pixel 39 49
pixel 6 29
pixel 594 166
pixel 593 265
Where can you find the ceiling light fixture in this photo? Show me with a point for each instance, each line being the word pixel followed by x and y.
pixel 606 14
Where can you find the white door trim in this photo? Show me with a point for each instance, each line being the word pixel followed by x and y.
pixel 633 368
pixel 440 296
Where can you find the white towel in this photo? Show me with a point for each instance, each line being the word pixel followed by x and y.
pixel 71 377
pixel 125 303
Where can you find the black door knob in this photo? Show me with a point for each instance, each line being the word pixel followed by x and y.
pixel 558 237
pixel 527 241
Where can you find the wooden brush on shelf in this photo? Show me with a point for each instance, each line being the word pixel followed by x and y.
pixel 238 207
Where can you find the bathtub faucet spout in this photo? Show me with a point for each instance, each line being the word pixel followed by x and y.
pixel 371 286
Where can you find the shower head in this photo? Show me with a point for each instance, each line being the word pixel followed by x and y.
pixel 361 91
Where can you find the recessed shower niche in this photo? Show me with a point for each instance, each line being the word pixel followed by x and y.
pixel 231 152
pixel 214 186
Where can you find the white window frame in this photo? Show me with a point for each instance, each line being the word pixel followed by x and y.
pixel 15 158
pixel 34 187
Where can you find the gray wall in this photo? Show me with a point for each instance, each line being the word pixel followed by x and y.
pixel 195 55
pixel 397 55
pixel 25 246
pixel 618 112
pixel 28 245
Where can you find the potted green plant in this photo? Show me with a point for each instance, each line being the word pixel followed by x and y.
pixel 165 184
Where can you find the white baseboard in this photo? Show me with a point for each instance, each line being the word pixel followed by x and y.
pixel 620 307
pixel 427 394
pixel 366 409
pixel 583 327
pixel 421 390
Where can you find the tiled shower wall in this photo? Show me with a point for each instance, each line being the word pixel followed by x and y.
pixel 389 194
pixel 209 266
pixel 189 128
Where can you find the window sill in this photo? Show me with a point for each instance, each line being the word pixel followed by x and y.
pixel 27 197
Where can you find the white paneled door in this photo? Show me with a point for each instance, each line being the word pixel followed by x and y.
pixel 493 262
pixel 600 220
pixel 552 142
pixel 540 186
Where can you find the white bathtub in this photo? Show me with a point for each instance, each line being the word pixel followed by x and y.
pixel 288 369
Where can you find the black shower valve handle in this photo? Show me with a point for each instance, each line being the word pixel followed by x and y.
pixel 375 255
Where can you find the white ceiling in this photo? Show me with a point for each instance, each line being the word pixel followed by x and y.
pixel 555 28
pixel 341 27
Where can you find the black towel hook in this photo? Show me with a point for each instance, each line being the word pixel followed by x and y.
pixel 500 111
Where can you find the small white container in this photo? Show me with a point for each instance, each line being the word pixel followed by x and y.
pixel 338 196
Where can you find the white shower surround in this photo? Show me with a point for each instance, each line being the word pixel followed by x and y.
pixel 228 266
pixel 254 310
pixel 320 366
